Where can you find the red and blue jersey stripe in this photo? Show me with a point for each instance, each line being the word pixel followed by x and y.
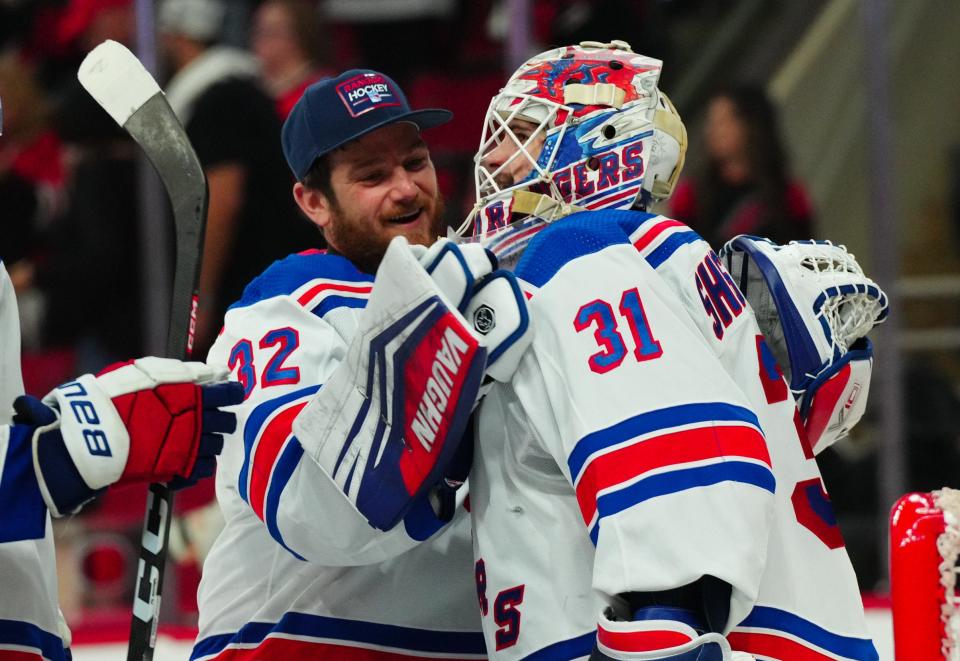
pixel 303 635
pixel 772 633
pixel 658 238
pixel 23 641
pixel 271 454
pixel 667 451
pixel 318 281
pixel 321 295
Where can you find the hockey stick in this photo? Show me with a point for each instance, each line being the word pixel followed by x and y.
pixel 122 86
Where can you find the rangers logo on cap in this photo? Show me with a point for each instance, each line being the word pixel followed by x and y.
pixel 366 92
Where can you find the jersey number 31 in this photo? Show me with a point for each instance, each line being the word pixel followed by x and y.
pixel 607 333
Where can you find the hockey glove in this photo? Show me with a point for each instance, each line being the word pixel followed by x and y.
pixel 815 306
pixel 455 269
pixel 491 300
pixel 389 421
pixel 150 420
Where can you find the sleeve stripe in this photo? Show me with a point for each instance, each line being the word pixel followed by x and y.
pixel 25 636
pixel 288 462
pixel 777 647
pixel 255 425
pixel 649 234
pixel 645 640
pixel 331 303
pixel 358 639
pixel 651 422
pixel 783 635
pixel 682 447
pixel 670 482
pixel 328 288
pixel 276 435
pixel 670 245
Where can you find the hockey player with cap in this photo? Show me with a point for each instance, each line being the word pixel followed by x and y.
pixel 391 369
pixel 149 420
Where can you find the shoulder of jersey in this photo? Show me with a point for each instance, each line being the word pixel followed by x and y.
pixel 314 280
pixel 576 236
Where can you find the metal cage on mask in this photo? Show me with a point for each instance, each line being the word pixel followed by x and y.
pixel 610 138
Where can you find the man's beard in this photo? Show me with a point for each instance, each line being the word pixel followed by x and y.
pixel 365 249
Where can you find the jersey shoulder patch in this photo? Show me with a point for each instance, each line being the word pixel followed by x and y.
pixel 298 272
pixel 577 235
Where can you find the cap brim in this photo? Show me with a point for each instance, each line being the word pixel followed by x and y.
pixel 423 119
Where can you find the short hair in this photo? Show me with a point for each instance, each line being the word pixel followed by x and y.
pixel 318 178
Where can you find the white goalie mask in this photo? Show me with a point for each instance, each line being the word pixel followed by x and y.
pixel 585 126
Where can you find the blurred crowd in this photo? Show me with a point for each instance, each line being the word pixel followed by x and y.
pixel 69 182
pixel 71 195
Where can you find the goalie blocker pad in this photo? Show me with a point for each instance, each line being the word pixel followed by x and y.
pixel 390 418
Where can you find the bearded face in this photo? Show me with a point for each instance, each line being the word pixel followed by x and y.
pixel 382 185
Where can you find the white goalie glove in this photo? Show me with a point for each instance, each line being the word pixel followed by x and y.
pixel 815 306
pixel 388 423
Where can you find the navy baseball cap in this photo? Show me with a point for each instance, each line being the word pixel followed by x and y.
pixel 334 111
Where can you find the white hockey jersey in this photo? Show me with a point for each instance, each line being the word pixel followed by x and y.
pixel 11 382
pixel 31 626
pixel 297 572
pixel 647 439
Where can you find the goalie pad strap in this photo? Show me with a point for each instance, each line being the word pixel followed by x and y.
pixel 661 639
pixel 388 421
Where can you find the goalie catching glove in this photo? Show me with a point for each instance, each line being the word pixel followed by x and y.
pixel 815 306
pixel 150 420
pixel 386 425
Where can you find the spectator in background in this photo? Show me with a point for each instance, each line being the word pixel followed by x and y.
pixel 232 124
pixel 745 186
pixel 31 166
pixel 91 240
pixel 289 42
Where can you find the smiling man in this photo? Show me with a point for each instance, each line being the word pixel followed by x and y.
pixel 364 173
pixel 297 572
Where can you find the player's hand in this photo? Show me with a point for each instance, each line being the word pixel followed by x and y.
pixel 489 299
pixel 150 420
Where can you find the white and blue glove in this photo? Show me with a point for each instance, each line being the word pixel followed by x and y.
pixel 489 298
pixel 815 306
pixel 389 422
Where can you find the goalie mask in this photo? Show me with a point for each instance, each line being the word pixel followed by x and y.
pixel 584 126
